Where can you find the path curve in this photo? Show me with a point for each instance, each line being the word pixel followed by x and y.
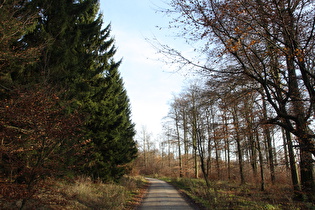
pixel 162 195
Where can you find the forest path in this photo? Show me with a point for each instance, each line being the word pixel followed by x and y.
pixel 162 195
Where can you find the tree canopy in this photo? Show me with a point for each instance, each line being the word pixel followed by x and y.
pixel 62 97
pixel 270 45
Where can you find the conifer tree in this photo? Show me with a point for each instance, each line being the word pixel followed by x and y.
pixel 16 20
pixel 78 58
pixel 67 29
pixel 110 127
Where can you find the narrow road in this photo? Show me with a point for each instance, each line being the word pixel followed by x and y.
pixel 162 195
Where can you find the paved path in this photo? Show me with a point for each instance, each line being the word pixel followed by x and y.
pixel 162 195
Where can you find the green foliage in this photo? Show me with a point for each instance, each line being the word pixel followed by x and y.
pixel 75 61
pixel 65 39
pixel 16 20
pixel 110 128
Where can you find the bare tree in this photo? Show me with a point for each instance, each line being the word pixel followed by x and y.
pixel 146 144
pixel 272 43
pixel 175 115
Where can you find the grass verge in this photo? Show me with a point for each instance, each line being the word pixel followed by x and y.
pixel 225 195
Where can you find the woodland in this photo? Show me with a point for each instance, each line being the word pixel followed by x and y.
pixel 64 111
pixel 250 118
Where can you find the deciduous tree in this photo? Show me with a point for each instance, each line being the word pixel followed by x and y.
pixel 272 43
pixel 38 137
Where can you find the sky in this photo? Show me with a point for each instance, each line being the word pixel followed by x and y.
pixel 150 84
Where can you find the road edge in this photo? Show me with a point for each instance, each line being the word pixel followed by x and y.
pixel 193 203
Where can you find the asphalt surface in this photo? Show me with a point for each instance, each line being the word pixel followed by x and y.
pixel 162 195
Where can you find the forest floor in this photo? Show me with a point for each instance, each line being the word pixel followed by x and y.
pixel 82 193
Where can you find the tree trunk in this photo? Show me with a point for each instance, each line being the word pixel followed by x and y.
pixel 227 146
pixel 194 137
pixel 202 154
pixel 307 178
pixel 253 157
pixel 293 168
pixel 180 163
pixel 269 145
pixel 216 146
pixel 261 163
pixel 238 144
pixel 209 149
pixel 306 165
pixel 185 142
pixel 194 141
pixel 285 147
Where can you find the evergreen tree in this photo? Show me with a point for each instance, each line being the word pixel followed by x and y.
pixel 78 58
pixel 16 20
pixel 110 127
pixel 67 29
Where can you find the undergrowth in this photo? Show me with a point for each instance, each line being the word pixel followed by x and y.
pixel 229 195
pixel 83 193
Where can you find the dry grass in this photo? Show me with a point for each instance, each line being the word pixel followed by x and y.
pixel 86 194
pixel 229 195
pixel 83 193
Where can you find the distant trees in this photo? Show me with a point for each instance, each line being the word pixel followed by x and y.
pixel 63 107
pixel 232 143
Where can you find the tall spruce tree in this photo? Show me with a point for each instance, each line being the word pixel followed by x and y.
pixel 16 20
pixel 78 58
pixel 68 30
pixel 110 127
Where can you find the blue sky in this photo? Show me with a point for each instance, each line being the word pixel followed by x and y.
pixel 149 83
